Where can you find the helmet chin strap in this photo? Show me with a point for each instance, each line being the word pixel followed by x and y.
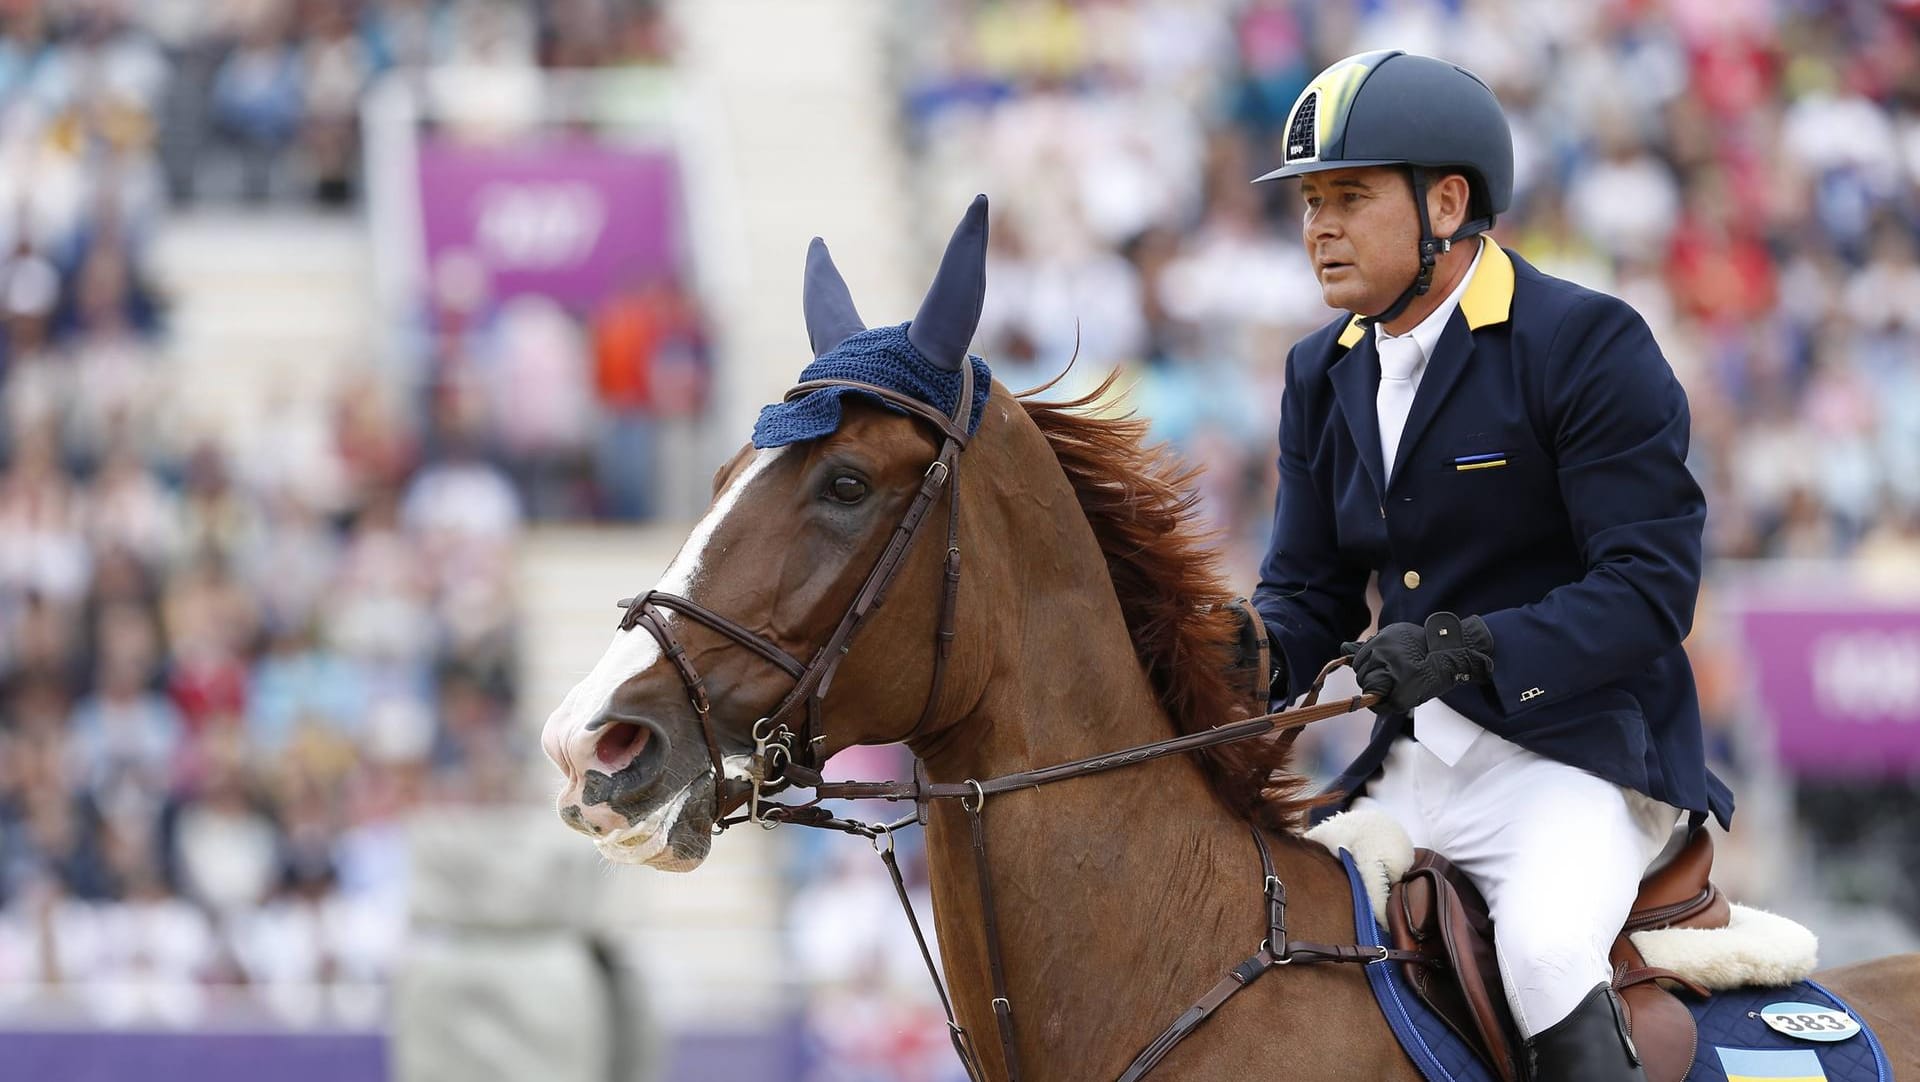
pixel 1431 249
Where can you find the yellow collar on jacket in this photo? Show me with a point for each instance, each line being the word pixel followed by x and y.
pixel 1487 301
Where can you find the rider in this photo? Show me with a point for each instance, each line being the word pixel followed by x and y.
pixel 1491 441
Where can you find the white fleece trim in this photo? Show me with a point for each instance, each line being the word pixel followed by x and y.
pixel 1379 845
pixel 1756 947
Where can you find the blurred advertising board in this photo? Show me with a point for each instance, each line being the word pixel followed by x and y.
pixel 108 1056
pixel 1837 675
pixel 567 219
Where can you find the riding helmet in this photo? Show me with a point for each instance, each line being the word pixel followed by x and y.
pixel 1390 107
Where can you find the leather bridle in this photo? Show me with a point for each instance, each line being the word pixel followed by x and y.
pixel 784 756
pixel 777 744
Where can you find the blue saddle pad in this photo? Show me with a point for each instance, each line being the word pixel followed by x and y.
pixel 1735 1045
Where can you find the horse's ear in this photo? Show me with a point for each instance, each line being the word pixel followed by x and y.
pixel 831 318
pixel 944 326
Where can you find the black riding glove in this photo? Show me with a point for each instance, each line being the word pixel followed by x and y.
pixel 1406 664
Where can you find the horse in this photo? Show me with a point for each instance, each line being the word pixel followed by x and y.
pixel 1077 919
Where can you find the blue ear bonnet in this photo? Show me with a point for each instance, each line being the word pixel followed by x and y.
pixel 883 356
pixel 919 359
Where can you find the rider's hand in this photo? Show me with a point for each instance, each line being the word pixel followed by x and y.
pixel 1406 664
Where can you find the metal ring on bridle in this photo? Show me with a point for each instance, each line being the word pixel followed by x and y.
pixel 978 800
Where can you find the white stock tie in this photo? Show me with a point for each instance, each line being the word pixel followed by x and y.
pixel 1438 727
pixel 1401 363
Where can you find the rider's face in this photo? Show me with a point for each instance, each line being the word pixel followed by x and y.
pixel 1362 234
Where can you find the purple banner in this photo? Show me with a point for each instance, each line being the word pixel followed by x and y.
pixel 1840 684
pixel 571 221
pixel 772 1055
pixel 111 1056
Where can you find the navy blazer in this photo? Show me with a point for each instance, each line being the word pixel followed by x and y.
pixel 1541 485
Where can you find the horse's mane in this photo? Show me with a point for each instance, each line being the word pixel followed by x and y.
pixel 1141 501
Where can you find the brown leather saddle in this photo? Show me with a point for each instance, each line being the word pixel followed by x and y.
pixel 1436 911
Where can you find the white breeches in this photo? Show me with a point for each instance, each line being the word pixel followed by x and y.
pixel 1557 852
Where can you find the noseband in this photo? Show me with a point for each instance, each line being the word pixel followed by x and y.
pixel 776 743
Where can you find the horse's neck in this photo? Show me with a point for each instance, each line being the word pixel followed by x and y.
pixel 1120 897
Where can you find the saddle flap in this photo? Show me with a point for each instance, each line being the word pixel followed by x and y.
pixel 1664 1034
pixel 1682 893
pixel 1438 912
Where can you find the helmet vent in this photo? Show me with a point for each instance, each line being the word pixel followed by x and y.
pixel 1302 144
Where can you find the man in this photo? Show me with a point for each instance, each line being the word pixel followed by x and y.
pixel 1498 443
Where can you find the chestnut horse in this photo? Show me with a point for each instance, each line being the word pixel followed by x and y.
pixel 1089 619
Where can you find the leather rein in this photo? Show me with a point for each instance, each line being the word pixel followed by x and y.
pixel 785 756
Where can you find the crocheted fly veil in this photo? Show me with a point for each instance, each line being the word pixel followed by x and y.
pixel 921 358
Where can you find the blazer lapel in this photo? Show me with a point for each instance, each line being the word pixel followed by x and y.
pixel 1487 302
pixel 1356 383
pixel 1450 358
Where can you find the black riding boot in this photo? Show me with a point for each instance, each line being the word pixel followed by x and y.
pixel 1589 1045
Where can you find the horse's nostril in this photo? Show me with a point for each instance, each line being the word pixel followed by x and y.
pixel 630 757
pixel 620 742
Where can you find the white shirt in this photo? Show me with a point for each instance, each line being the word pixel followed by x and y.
pixel 1403 360
pixel 1398 356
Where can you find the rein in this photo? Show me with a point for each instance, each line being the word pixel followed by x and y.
pixel 784 756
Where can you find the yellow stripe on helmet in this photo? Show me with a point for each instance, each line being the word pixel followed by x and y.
pixel 1337 86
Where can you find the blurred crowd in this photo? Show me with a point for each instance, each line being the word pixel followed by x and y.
pixel 225 681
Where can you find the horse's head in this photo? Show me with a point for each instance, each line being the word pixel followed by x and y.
pixel 752 618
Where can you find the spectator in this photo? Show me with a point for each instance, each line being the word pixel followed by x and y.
pixel 257 99
pixel 337 67
pixel 125 736
pixel 225 848
pixel 649 365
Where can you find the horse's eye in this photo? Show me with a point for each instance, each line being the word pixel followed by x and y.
pixel 847 489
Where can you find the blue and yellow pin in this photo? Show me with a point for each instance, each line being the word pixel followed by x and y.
pixel 1480 462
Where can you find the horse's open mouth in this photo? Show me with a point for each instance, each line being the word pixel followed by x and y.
pixel 675 836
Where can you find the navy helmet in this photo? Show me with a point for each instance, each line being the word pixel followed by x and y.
pixel 1396 108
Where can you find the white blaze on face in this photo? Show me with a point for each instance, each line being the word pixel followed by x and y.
pixel 635 651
